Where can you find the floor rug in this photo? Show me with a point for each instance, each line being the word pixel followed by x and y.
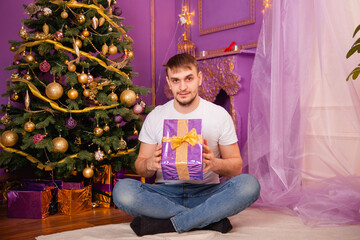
pixel 251 224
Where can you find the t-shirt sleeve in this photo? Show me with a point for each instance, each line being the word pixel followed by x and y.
pixel 227 131
pixel 147 134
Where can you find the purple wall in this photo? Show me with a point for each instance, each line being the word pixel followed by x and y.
pixel 11 13
pixel 222 39
pixel 137 15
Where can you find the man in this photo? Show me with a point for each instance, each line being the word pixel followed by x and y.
pixel 173 205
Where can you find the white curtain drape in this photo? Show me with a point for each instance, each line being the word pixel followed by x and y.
pixel 304 118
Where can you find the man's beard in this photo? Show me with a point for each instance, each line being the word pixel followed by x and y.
pixel 186 103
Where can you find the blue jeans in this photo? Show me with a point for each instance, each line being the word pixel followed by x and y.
pixel 188 206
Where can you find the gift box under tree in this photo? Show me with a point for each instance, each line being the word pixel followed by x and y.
pixel 74 201
pixel 29 203
pixel 102 187
pixel 181 157
pixel 42 184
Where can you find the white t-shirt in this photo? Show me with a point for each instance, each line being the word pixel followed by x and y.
pixel 217 128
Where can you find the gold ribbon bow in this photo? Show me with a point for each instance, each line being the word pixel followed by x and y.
pixel 191 137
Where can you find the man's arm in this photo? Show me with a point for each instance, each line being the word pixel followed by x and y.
pixel 148 160
pixel 230 163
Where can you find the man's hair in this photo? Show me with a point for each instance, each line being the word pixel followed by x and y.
pixel 182 60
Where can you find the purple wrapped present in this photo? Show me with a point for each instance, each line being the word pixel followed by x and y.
pixel 181 157
pixel 40 184
pixel 73 185
pixel 29 204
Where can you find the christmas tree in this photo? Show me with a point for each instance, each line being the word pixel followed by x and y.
pixel 72 105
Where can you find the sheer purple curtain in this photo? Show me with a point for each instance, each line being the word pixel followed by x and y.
pixel 304 118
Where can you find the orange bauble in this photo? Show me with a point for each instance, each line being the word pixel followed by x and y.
pixel 73 94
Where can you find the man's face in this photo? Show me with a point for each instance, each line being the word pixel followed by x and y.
pixel 184 84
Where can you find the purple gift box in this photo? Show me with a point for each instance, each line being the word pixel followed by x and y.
pixel 181 157
pixel 73 185
pixel 29 204
pixel 40 184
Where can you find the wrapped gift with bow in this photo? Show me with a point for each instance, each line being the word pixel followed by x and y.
pixel 181 157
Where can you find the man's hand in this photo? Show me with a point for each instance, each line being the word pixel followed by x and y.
pixel 153 164
pixel 230 163
pixel 212 163
pixel 148 160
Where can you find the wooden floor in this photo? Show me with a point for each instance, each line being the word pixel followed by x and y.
pixel 22 229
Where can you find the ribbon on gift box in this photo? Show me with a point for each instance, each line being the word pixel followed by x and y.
pixel 180 143
pixel 191 137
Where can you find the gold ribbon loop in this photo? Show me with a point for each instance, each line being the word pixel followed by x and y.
pixel 191 137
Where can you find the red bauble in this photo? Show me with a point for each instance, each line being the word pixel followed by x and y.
pixel 138 108
pixel 90 78
pixel 58 35
pixel 38 137
pixel 44 66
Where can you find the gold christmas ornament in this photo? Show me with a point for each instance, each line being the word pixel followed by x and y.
pixel 83 78
pixel 23 54
pixel 86 93
pixel 85 33
pixel 27 100
pixel 112 49
pixel 135 131
pixel 13 48
pixel 14 96
pixel 45 29
pixel 9 138
pixel 6 119
pixel 23 33
pixel 60 145
pixel 29 126
pixel 128 96
pixel 130 54
pixel 113 97
pixel 64 15
pixel 73 94
pixel 110 29
pixel 101 21
pixel 29 58
pixel 95 22
pixel 122 144
pixel 88 172
pixel 104 49
pixel 66 62
pixel 81 18
pixel 78 43
pixel 54 90
pixel 27 77
pixel 98 131
pixel 71 67
pixel 106 128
